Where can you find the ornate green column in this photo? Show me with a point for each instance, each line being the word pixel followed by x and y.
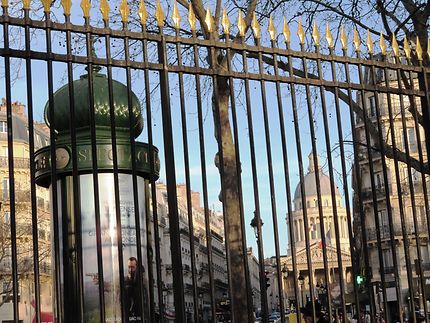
pixel 89 253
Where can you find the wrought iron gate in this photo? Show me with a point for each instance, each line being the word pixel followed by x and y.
pixel 124 235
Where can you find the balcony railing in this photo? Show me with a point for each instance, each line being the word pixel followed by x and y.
pixel 384 231
pixel 367 193
pixel 17 162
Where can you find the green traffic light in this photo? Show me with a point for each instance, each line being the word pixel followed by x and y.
pixel 360 280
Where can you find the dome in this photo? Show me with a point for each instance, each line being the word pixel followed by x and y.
pixel 310 182
pixel 101 107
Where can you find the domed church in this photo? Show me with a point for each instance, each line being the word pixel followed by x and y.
pixel 308 205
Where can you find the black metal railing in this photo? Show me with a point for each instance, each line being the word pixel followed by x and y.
pixel 260 124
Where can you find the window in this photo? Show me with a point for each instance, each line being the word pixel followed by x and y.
pixel 372 106
pixel 379 182
pixel 412 140
pixel 6 217
pixel 3 126
pixel 5 188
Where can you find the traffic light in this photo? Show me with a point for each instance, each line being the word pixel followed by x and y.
pixel 266 274
pixel 359 279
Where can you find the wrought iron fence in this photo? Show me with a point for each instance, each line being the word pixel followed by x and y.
pixel 130 243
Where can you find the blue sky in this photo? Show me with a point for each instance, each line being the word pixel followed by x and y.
pixel 40 94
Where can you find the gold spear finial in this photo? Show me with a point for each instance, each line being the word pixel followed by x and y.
pixel 4 3
pixel 241 24
pixel 382 44
pixel 176 17
pixel 428 47
pixel 407 48
pixel 209 20
pixel 26 4
pixel 329 36
pixel 86 7
pixel 286 31
pixel 256 26
pixel 301 32
pixel 104 9
pixel 395 46
pixel 143 14
pixel 191 17
pixel 159 14
pixel 46 5
pixel 369 42
pixel 225 22
pixel 316 34
pixel 271 29
pixel 124 10
pixel 357 42
pixel 343 38
pixel 419 50
pixel 67 5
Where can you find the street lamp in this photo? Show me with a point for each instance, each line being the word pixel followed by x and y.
pixel 254 225
pixel 301 280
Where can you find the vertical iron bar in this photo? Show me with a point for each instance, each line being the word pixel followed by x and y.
pixel 332 186
pixel 344 178
pixel 175 238
pixel 188 182
pixel 299 156
pixel 135 191
pixel 286 170
pixel 153 185
pixel 411 188
pixel 59 306
pixel 357 175
pixel 263 287
pixel 228 58
pixel 369 148
pixel 302 187
pixel 11 187
pixel 318 189
pixel 34 210
pixel 204 177
pixel 271 180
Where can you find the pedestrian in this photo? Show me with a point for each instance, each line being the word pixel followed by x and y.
pixel 308 316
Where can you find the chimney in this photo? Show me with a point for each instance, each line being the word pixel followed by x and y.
pixel 195 200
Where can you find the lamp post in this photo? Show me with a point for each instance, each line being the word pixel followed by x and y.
pixel 257 224
pixel 301 280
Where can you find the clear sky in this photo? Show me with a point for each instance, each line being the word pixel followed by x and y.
pixel 40 94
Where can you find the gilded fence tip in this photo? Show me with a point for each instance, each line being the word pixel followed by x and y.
pixel 124 10
pixel 26 4
pixel 104 9
pixel 343 38
pixel 419 50
pixel 86 7
pixel 67 5
pixel 225 22
pixel 271 29
pixel 356 40
pixel 369 42
pixel 382 44
pixel 395 46
pixel 159 14
pixel 316 34
pixel 192 17
pixel 209 20
pixel 256 26
pixel 428 48
pixel 241 24
pixel 329 36
pixel 286 31
pixel 4 3
pixel 46 5
pixel 407 48
pixel 301 32
pixel 176 17
pixel 143 14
